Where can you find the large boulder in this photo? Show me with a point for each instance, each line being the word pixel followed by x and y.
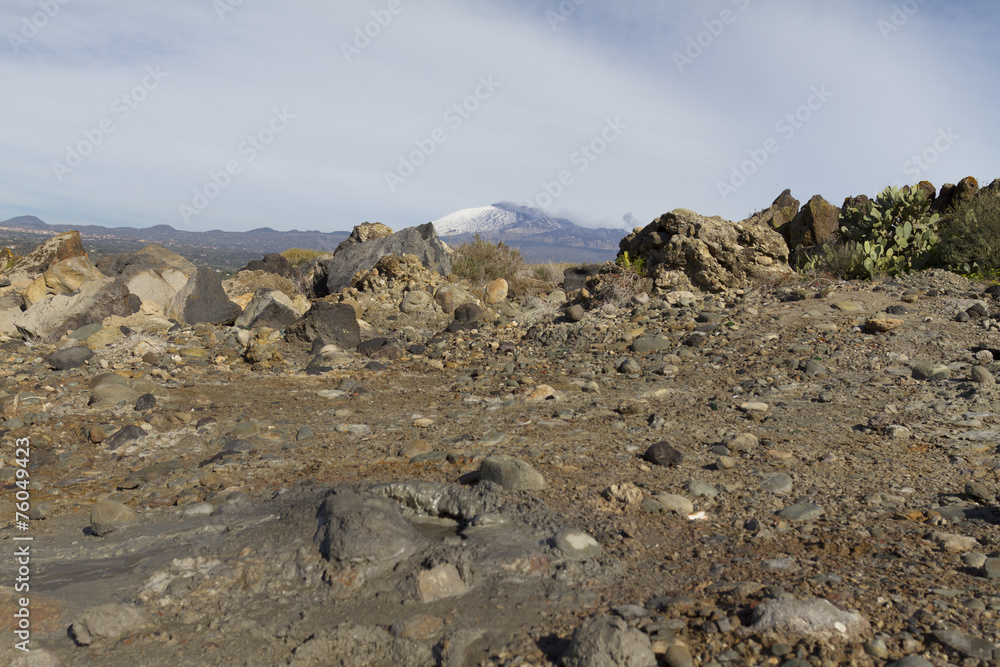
pixel 154 274
pixel 276 264
pixel 816 224
pixel 778 215
pixel 950 194
pixel 333 323
pixel 682 250
pixel 421 241
pixel 62 313
pixel 269 308
pixel 56 249
pixel 366 231
pixel 68 275
pixel 202 299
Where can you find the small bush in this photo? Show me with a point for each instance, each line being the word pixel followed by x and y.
pixel 617 286
pixel 299 256
pixel 481 261
pixel 551 272
pixel 970 235
pixel 845 261
pixel 896 232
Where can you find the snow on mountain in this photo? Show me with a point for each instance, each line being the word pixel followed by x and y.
pixel 499 220
pixel 540 238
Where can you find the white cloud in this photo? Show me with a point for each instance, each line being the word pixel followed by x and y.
pixel 685 128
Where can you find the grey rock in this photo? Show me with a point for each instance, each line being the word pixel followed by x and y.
pixel 203 300
pixel 468 313
pixel 814 368
pixel 629 367
pixel 416 301
pixel 69 357
pixel 421 241
pixel 697 488
pixel 982 375
pixel 576 544
pixel 145 402
pixel 351 644
pixel 607 641
pixel 268 308
pixel 62 313
pixel 512 474
pixel 814 617
pixel 109 622
pixel 930 372
pixel 801 512
pixel 678 655
pixel 575 313
pixel 778 483
pixel 110 516
pixel 663 454
pixel 364 528
pixel 112 394
pixel 964 643
pixel 647 344
pixel 911 661
pixel 991 568
pixel 305 433
pixel 123 436
pixel 333 323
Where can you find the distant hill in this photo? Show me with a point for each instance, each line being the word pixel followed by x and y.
pixel 540 238
pixel 214 248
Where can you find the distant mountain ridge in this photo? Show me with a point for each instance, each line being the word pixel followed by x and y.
pixel 257 241
pixel 539 237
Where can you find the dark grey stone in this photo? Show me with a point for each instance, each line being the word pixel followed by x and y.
pixel 69 357
pixel 421 241
pixel 334 323
pixel 663 454
pixel 123 436
pixel 363 528
pixel 202 300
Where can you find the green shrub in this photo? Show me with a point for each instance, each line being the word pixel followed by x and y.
pixel 837 260
pixel 896 232
pixel 482 261
pixel 299 256
pixel 970 235
pixel 638 265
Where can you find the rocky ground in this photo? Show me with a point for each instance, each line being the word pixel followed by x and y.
pixel 791 474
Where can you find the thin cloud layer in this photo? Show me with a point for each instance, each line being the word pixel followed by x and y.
pixel 223 114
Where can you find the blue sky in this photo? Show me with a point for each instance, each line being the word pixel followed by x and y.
pixel 236 114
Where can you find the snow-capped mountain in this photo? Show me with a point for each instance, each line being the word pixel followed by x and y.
pixel 540 238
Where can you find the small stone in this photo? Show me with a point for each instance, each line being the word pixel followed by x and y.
pixel 496 291
pixel 575 313
pixel 576 544
pixel 678 655
pixel 439 582
pixel 974 560
pixel 145 402
pixel 109 622
pixel 964 643
pixel 124 436
pixel 674 503
pixel 725 463
pixel 629 367
pixel 814 368
pixel 814 617
pixel 778 483
pixel 991 568
pixel 109 516
pixel 697 488
pixel 663 454
pixel 415 301
pixel 512 474
pixel 846 306
pixel 97 433
pixel 930 372
pixel 977 490
pixel 982 375
pixel 954 543
pixel 305 433
pixel 754 406
pixel 882 324
pixel 607 641
pixel 801 512
pixel 69 357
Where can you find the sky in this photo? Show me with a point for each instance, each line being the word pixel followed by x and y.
pixel 309 114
